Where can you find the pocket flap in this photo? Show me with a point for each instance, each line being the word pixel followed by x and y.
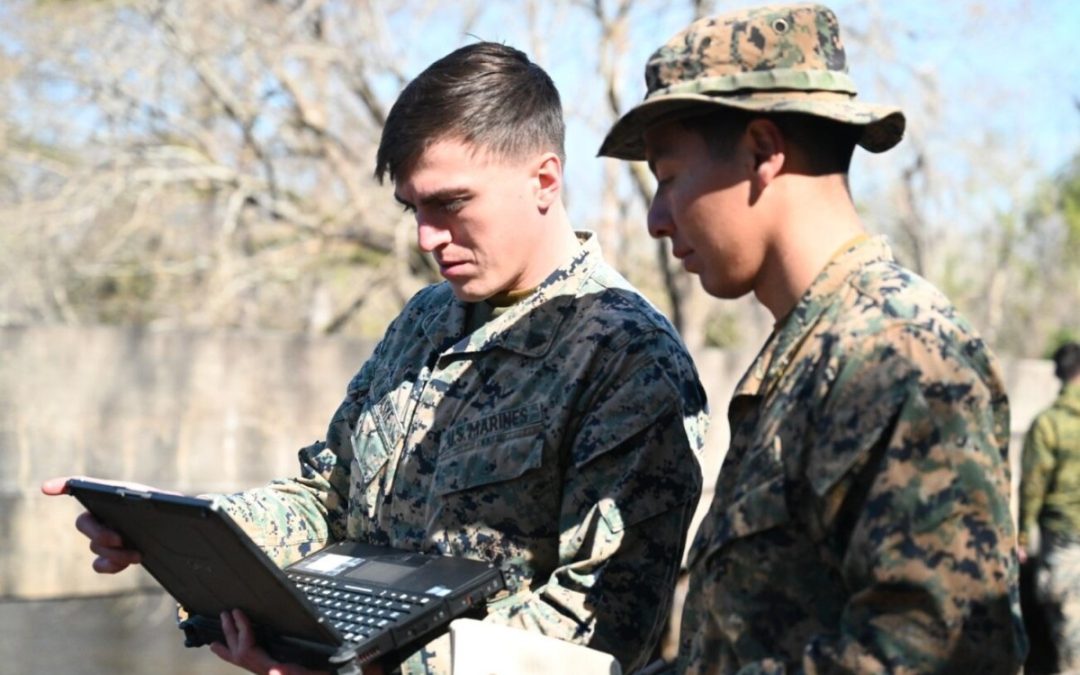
pixel 760 508
pixel 487 464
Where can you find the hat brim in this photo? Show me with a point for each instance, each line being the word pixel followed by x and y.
pixel 883 125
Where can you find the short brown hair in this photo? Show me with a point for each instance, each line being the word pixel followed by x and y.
pixel 486 94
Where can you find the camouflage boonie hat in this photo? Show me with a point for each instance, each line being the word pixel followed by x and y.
pixel 786 58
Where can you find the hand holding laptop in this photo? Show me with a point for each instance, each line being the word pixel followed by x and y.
pixel 107 544
pixel 240 650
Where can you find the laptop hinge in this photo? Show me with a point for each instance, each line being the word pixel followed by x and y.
pixel 343 662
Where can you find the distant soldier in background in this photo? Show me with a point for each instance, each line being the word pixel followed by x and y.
pixel 1050 504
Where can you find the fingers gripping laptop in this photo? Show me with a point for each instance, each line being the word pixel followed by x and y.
pixel 345 605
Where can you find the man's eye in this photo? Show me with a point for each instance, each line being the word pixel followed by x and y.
pixel 453 205
pixel 408 208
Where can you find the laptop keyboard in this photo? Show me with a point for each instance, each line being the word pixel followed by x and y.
pixel 356 611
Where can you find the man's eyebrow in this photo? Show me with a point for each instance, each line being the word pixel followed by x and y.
pixel 439 196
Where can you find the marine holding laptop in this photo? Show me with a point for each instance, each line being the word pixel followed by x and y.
pixel 534 410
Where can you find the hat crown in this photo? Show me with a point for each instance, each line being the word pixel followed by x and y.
pixel 783 59
pixel 790 47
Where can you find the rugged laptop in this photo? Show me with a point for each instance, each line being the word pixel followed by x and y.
pixel 347 604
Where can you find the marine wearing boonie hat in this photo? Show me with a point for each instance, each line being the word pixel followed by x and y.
pixel 779 59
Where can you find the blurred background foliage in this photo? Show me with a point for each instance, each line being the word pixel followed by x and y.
pixel 207 165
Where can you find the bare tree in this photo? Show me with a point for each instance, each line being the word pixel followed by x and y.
pixel 180 163
pixel 218 156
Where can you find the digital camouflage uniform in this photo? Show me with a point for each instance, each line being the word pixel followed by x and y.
pixel 1050 503
pixel 861 522
pixel 861 518
pixel 558 441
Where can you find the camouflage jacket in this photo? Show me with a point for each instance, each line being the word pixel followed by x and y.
pixel 1050 482
pixel 861 521
pixel 558 441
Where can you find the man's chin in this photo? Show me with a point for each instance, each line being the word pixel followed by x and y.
pixel 724 290
pixel 466 294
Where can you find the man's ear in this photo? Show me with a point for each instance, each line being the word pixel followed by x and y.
pixel 548 180
pixel 767 145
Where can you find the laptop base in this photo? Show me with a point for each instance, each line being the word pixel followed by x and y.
pixel 200 631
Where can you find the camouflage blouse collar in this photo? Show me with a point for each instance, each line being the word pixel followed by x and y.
pixel 793 329
pixel 529 326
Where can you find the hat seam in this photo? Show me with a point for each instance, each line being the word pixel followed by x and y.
pixel 779 79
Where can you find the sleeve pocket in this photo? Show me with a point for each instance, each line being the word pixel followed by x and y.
pixel 487 465
pixel 370 453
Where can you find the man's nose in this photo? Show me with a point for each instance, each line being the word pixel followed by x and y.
pixel 659 219
pixel 430 237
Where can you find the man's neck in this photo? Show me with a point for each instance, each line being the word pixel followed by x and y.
pixel 555 246
pixel 813 218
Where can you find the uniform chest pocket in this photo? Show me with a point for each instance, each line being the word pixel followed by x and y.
pixel 756 511
pixel 487 464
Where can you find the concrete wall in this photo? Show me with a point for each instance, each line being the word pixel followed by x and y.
pixel 183 411
pixel 207 412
